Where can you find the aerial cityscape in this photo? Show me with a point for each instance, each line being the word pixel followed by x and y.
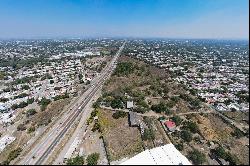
pixel 80 86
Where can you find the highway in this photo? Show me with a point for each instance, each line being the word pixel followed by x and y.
pixel 40 152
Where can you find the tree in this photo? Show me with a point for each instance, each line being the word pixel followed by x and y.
pixel 30 101
pixel 116 103
pixel 119 114
pixel 44 103
pixel 161 107
pixel 93 158
pixel 12 155
pixel 197 157
pixel 96 127
pixel 179 146
pixel 220 152
pixel 124 69
pixel 78 160
pixel 21 127
pixel 31 129
pixel 233 160
pixel 177 120
pixel 148 134
pixel 186 136
pixel 192 126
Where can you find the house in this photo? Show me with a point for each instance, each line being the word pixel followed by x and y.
pixel 134 120
pixel 170 125
pixel 130 104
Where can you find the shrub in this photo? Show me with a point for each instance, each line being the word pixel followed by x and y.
pixel 197 157
pixel 119 114
pixel 177 120
pixel 31 112
pixel 148 134
pixel 186 136
pixel 31 129
pixel 192 126
pixel 179 146
pixel 93 158
pixel 237 133
pixel 13 154
pixel 30 101
pixel 21 127
pixel 161 107
pixel 78 160
pixel 124 69
pixel 116 103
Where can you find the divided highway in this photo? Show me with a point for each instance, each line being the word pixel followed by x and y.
pixel 45 146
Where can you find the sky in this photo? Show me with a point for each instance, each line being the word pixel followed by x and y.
pixel 216 19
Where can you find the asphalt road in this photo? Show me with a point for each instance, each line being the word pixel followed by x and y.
pixel 45 146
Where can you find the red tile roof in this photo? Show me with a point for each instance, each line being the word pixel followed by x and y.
pixel 169 124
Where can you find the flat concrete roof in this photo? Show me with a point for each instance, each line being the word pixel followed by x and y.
pixel 163 155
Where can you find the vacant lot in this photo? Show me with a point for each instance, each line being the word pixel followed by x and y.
pixel 238 116
pixel 121 140
pixel 213 128
pixel 52 111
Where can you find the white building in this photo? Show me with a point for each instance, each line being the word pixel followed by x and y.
pixel 164 155
pixel 130 104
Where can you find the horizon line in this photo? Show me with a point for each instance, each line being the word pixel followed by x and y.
pixel 113 37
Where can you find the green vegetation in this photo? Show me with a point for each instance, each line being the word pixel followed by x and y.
pixel 25 87
pixel 44 103
pixel 21 127
pixel 179 146
pixel 197 157
pixel 124 69
pixel 119 114
pixel 191 126
pixel 30 101
pixel 221 153
pixel 78 160
pixel 2 75
pixel 93 114
pixel 60 97
pixel 148 134
pixel 237 133
pixel 24 80
pixel 93 158
pixel 21 105
pixel 22 95
pixel 12 155
pixel 3 100
pixel 96 127
pixel 30 112
pixel 177 120
pixel 31 129
pixel 186 136
pixel 161 107
pixel 116 103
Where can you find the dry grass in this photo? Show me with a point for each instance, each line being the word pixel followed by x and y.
pixel 53 110
pixel 213 128
pixel 121 140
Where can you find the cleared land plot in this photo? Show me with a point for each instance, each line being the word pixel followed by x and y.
pixel 238 116
pixel 121 140
pixel 213 128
